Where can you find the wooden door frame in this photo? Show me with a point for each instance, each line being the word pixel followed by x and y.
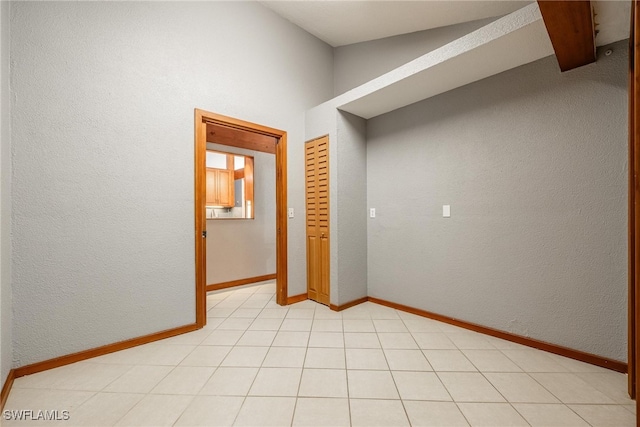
pixel 634 209
pixel 202 118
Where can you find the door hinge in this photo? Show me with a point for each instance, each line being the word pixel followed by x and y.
pixel 204 234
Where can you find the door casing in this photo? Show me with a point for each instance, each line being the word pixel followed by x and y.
pixel 202 119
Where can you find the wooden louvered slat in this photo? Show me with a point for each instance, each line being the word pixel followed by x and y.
pixel 317 218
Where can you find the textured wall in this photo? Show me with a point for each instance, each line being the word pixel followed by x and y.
pixel 102 131
pixel 5 198
pixel 534 165
pixel 238 249
pixel 351 199
pixel 358 63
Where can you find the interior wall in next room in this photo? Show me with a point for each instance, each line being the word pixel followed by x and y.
pixel 243 248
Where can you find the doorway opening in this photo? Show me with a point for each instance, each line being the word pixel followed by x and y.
pixel 240 134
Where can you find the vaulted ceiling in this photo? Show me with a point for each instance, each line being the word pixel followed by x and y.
pixel 340 23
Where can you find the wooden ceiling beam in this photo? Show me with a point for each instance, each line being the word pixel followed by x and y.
pixel 241 139
pixel 571 30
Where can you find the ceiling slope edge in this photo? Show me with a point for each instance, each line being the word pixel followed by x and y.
pixel 513 40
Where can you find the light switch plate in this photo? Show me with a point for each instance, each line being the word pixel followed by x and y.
pixel 290 212
pixel 372 213
pixel 446 211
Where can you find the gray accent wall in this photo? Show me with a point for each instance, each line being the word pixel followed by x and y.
pixel 534 165
pixel 351 209
pixel 243 248
pixel 5 198
pixel 103 147
pixel 358 63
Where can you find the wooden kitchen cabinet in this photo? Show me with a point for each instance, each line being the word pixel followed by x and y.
pixel 220 190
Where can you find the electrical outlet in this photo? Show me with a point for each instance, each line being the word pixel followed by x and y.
pixel 372 213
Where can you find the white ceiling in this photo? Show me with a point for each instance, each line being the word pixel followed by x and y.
pixel 340 23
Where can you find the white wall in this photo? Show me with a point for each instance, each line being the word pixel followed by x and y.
pixel 534 165
pixel 102 131
pixel 358 63
pixel 242 248
pixel 5 198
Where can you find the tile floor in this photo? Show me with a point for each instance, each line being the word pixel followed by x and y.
pixel 259 364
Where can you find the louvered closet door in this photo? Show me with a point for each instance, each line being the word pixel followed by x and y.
pixel 317 195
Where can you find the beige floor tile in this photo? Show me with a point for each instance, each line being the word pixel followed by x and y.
pixel 383 313
pixel 366 358
pixel 235 324
pixel 139 379
pixel 605 415
pixel 266 411
pixel 103 409
pixel 520 388
pixel 249 313
pixel 569 388
pixel 266 325
pixel 631 408
pixel 397 340
pixel 371 413
pixel 421 325
pixel 43 399
pixel 420 386
pixel 276 382
pixel 501 344
pixel 81 376
pixel 358 325
pixel 323 312
pixel 219 337
pixel 285 357
pixel 327 325
pixel 190 338
pixel 326 339
pixel 323 383
pixel 230 382
pixel 612 384
pixel 291 339
pixel 434 414
pixel 448 361
pixel 407 360
pixel 245 356
pixel 356 312
pixel 371 385
pixel 306 304
pixel 491 415
pixel 257 338
pixel 576 366
pixel 470 341
pixel 531 360
pixel 433 341
pixel 254 304
pixel 548 415
pixel 321 412
pixel 206 355
pixel 469 387
pixel 389 325
pixel 300 313
pixel 361 340
pixel 156 410
pixel 184 380
pixel 491 361
pixel 296 325
pixel 331 358
pixel 220 312
pixel 273 313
